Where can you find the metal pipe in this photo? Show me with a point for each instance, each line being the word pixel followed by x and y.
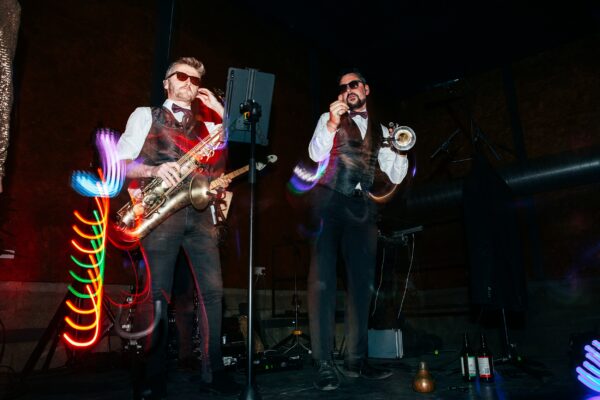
pixel 559 171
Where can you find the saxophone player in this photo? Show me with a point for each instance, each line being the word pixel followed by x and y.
pixel 154 139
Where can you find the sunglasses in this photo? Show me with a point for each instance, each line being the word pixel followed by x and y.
pixel 351 85
pixel 182 76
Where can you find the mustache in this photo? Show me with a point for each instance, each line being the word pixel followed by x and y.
pixel 351 94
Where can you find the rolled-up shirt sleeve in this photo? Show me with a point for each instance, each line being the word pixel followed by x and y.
pixel 131 141
pixel 322 141
pixel 393 164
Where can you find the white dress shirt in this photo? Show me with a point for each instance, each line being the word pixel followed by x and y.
pixel 393 164
pixel 138 125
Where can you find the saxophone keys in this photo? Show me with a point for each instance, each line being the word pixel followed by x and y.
pixel 138 210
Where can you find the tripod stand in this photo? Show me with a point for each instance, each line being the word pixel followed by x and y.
pixel 512 357
pixel 297 337
pixel 53 333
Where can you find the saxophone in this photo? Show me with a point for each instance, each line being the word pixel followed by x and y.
pixel 157 202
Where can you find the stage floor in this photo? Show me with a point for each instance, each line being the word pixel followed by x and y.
pixel 104 377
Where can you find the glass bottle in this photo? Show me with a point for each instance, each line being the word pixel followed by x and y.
pixel 468 362
pixel 485 362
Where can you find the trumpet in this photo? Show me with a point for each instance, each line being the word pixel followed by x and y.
pixel 402 137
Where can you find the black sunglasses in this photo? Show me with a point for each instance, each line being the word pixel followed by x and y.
pixel 182 76
pixel 351 85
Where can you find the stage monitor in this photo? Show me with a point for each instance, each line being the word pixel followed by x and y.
pixel 243 85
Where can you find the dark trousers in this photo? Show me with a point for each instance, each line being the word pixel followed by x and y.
pixel 194 232
pixel 347 227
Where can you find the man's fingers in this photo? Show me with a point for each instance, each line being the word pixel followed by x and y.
pixel 169 173
pixel 341 110
pixel 205 95
pixel 167 178
pixel 339 107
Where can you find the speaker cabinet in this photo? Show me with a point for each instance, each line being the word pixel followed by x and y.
pixel 385 343
pixel 496 275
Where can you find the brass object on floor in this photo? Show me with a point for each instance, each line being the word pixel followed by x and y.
pixel 423 382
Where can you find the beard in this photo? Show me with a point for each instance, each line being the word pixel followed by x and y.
pixel 355 104
pixel 184 93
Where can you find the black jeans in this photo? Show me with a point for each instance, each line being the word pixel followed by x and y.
pixel 195 233
pixel 347 225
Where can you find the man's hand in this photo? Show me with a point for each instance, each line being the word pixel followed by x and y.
pixel 336 110
pixel 218 129
pixel 168 172
pixel 210 101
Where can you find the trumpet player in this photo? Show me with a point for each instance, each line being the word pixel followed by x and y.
pixel 348 138
pixel 154 139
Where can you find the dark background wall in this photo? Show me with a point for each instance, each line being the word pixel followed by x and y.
pixel 83 65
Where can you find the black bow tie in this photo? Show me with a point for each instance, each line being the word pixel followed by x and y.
pixel 175 108
pixel 359 113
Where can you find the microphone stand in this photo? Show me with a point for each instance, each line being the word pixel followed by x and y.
pixel 444 146
pixel 479 135
pixel 253 112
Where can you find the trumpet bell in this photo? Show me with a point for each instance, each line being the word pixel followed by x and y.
pixel 403 138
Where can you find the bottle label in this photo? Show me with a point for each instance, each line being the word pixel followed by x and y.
pixel 472 367
pixel 485 370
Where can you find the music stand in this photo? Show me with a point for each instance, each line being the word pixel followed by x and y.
pixel 245 90
pixel 243 85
